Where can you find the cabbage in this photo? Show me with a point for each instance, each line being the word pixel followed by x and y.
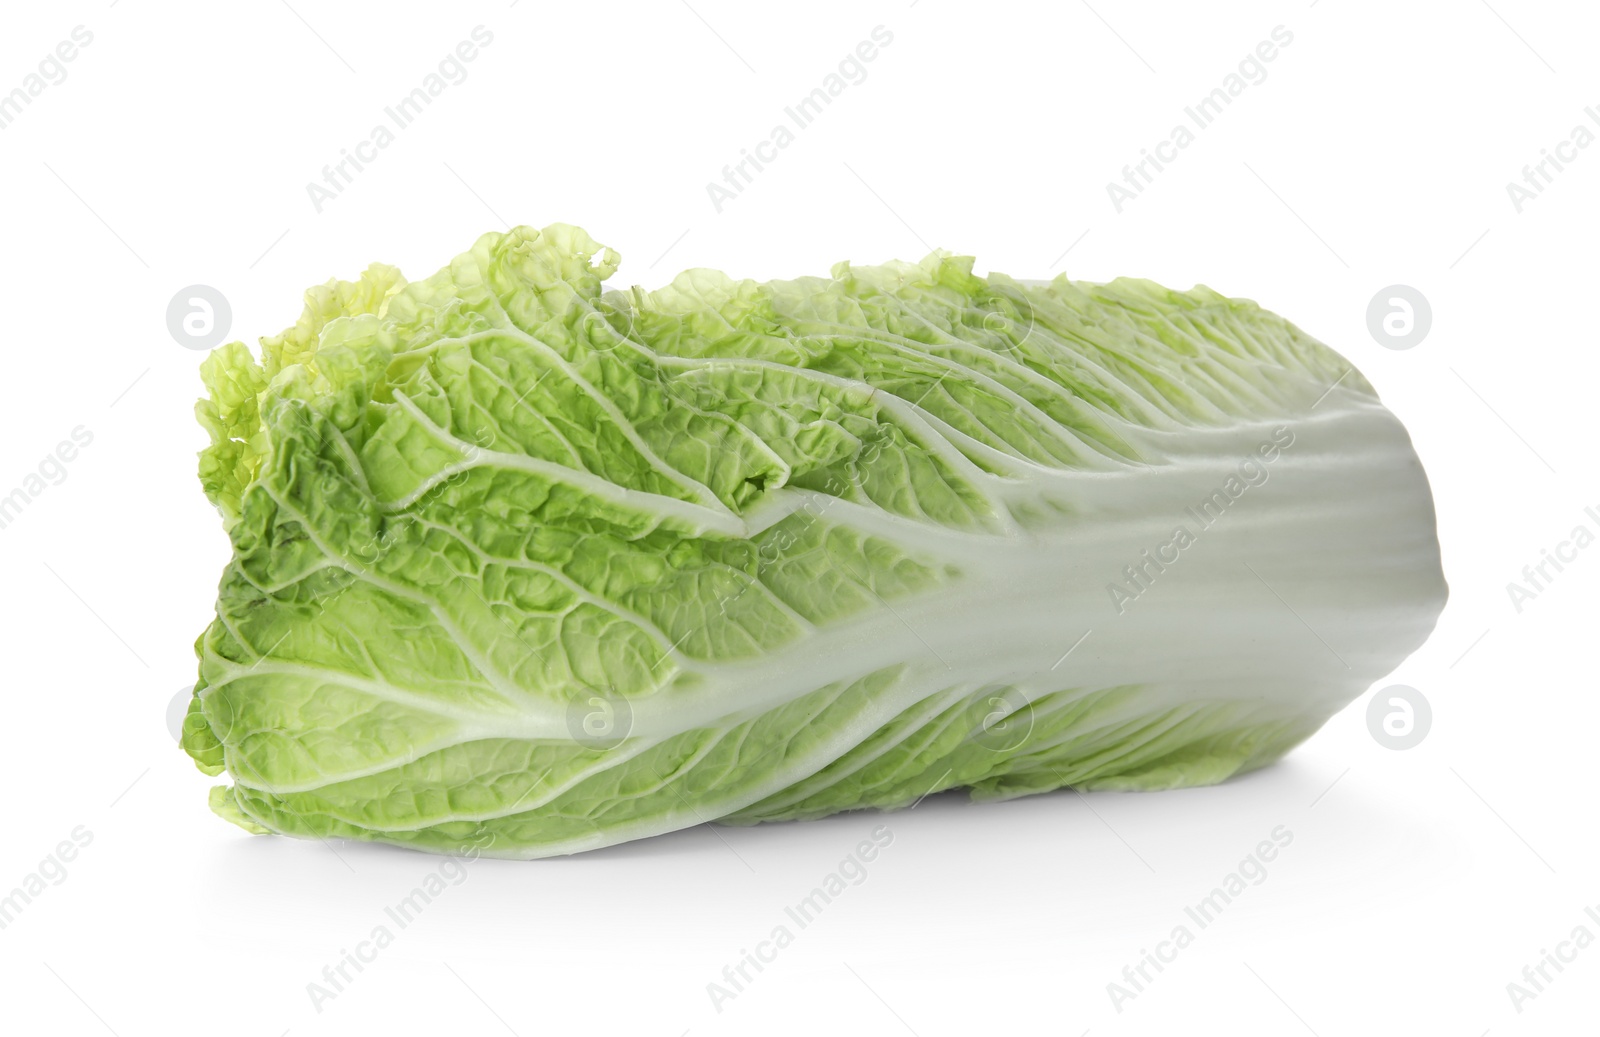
pixel 526 566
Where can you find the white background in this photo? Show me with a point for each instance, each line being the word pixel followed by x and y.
pixel 1377 151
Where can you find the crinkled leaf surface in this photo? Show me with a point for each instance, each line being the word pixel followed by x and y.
pixel 527 566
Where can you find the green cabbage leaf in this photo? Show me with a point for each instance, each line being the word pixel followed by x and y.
pixel 527 566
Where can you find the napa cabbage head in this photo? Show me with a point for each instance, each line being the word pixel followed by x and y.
pixel 529 566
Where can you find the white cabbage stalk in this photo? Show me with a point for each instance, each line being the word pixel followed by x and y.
pixel 523 567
